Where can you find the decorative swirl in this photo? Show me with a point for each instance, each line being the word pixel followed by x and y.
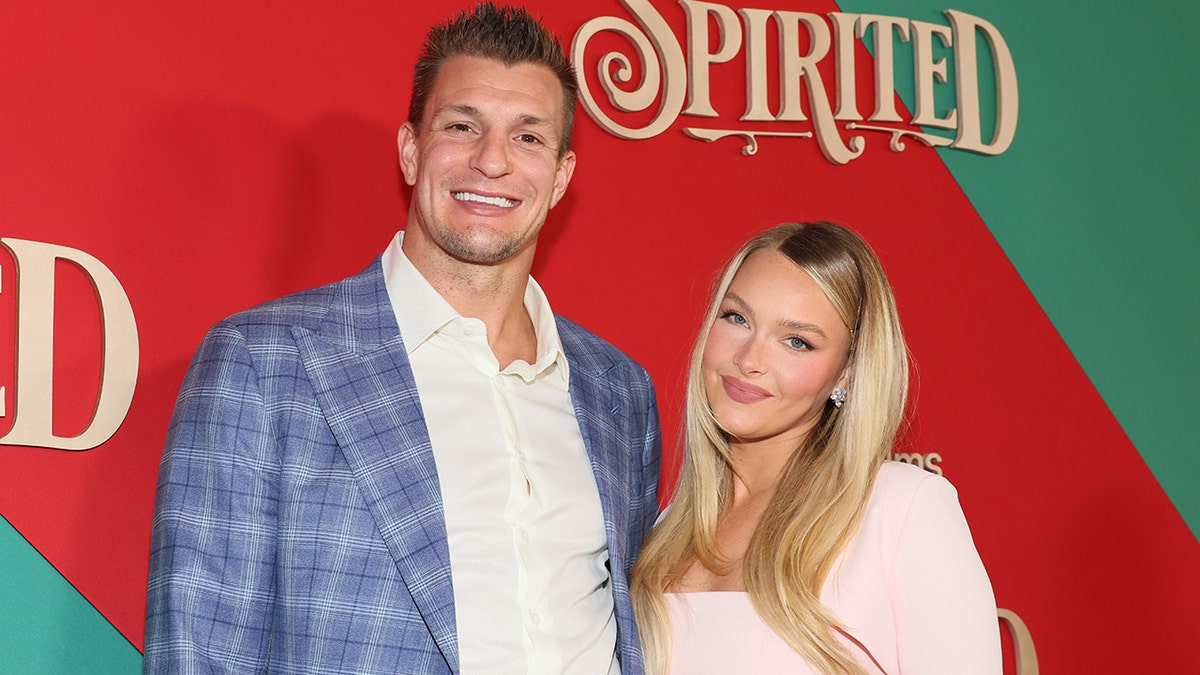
pixel 751 137
pixel 896 144
pixel 657 51
pixel 647 90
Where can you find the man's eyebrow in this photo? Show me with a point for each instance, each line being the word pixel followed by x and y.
pixel 468 110
pixel 534 120
pixel 459 108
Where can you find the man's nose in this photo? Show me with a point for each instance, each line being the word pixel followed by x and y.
pixel 492 155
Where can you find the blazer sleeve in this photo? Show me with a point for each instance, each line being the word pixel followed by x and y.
pixel 651 457
pixel 945 612
pixel 209 602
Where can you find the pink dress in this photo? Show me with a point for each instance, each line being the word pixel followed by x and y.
pixel 910 589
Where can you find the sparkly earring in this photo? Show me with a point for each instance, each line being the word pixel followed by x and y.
pixel 838 396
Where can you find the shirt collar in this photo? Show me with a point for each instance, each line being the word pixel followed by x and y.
pixel 421 312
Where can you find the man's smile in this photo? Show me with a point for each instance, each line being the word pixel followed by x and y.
pixel 484 199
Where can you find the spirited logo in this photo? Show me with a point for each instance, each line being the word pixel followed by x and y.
pixel 806 44
pixel 32 414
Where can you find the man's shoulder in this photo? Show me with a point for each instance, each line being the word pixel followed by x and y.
pixel 585 349
pixel 314 307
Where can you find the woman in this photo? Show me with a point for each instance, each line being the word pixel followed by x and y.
pixel 790 544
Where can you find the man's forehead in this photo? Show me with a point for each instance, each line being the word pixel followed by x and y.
pixel 524 92
pixel 472 71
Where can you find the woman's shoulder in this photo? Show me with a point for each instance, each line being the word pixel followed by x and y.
pixel 903 482
pixel 909 499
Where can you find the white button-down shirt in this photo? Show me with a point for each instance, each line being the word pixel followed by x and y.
pixel 528 551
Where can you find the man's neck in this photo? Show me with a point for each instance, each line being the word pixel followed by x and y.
pixel 494 294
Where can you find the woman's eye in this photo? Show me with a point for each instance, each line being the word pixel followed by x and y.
pixel 797 343
pixel 733 317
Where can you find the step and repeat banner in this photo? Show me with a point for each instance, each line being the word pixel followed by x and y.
pixel 1014 164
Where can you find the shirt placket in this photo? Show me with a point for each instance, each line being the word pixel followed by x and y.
pixel 520 513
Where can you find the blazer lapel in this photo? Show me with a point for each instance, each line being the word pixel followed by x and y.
pixel 609 437
pixel 601 421
pixel 368 395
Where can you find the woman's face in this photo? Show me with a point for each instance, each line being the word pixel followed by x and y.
pixel 774 353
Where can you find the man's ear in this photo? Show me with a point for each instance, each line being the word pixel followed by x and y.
pixel 562 176
pixel 406 140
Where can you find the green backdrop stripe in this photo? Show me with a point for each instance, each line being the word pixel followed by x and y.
pixel 1094 201
pixel 46 626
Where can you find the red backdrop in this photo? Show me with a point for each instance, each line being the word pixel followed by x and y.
pixel 217 155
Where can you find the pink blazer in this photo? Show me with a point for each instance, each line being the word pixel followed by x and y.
pixel 910 589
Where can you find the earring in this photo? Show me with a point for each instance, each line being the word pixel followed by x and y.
pixel 838 396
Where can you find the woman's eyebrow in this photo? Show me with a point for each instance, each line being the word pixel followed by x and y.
pixel 802 327
pixel 790 324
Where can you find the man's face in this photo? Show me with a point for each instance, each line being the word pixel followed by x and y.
pixel 485 169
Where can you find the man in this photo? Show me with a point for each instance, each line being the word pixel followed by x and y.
pixel 418 469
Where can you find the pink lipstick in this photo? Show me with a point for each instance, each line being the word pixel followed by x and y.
pixel 743 392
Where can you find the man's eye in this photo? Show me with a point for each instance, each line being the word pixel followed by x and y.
pixel 460 126
pixel 528 138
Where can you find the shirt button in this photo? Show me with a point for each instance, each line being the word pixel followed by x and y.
pixel 535 618
pixel 524 535
pixel 469 330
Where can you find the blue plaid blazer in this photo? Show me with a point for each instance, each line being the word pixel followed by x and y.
pixel 298 526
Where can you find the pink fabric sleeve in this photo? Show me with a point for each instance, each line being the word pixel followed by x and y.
pixel 942 601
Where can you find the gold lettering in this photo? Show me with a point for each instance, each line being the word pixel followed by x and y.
pixel 885 84
pixel 679 85
pixel 757 109
pixel 699 58
pixel 1026 654
pixel 932 463
pixel 795 67
pixel 926 71
pixel 35 348
pixel 843 59
pixel 966 82
pixel 3 390
pixel 615 68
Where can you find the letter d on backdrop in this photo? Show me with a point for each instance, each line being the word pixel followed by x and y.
pixel 32 424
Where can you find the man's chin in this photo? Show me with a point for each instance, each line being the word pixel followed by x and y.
pixel 484 250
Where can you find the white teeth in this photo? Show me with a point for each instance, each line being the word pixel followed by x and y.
pixel 472 197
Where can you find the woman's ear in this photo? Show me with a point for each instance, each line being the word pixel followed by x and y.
pixel 847 377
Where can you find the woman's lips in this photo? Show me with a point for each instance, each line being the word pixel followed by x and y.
pixel 743 392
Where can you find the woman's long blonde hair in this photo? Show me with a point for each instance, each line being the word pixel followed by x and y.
pixel 820 498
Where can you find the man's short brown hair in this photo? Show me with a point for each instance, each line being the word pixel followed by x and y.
pixel 505 34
